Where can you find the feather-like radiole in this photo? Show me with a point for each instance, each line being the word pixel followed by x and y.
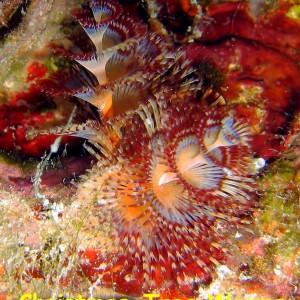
pixel 165 194
pixel 170 169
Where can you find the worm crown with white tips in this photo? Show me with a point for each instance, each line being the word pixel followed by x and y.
pixel 174 175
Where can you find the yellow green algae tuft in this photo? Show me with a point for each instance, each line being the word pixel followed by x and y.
pixel 279 213
pixel 14 159
pixel 280 203
pixel 30 243
pixel 294 12
pixel 41 25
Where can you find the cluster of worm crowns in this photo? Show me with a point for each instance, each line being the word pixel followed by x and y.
pixel 173 177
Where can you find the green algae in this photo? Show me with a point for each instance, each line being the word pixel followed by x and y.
pixel 14 159
pixel 294 12
pixel 280 210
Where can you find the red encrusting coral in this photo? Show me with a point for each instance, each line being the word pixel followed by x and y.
pixel 36 70
pixel 272 87
pixel 273 29
pixel 25 111
pixel 260 79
